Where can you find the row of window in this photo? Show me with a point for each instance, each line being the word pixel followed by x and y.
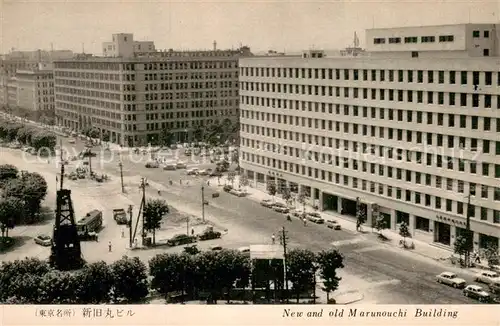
pixel 414 39
pixel 332 150
pixel 461 121
pixel 407 195
pixel 381 75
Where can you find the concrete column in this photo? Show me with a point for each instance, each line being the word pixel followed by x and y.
pixel 265 179
pixel 300 188
pixel 393 219
pixel 287 183
pixel 255 175
pixel 411 224
pixel 313 197
pixel 453 234
pixel 321 204
pixel 339 204
pixel 475 240
pixel 369 215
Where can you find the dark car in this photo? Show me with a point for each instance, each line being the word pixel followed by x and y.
pixel 476 292
pixel 209 235
pixel 227 188
pixel 180 239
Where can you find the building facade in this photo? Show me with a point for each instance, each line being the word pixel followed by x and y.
pixel 35 90
pixel 413 137
pixel 136 99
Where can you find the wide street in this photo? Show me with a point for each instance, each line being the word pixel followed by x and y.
pixel 395 276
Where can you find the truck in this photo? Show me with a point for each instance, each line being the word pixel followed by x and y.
pixel 89 225
pixel 120 216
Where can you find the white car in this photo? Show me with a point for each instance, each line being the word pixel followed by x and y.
pixel 192 172
pixel 451 279
pixel 487 277
pixel 203 172
pixel 71 141
pixel 181 165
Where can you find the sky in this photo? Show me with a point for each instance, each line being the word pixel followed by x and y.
pixel 194 24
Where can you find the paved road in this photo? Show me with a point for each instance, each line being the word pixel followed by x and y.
pixel 406 279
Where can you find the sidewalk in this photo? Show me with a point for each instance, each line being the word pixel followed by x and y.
pixel 426 251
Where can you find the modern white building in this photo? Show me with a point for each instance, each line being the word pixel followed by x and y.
pixel 412 128
pixel 123 45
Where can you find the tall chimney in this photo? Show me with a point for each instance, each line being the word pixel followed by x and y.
pixel 215 45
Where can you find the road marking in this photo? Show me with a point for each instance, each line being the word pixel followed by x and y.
pixel 367 249
pixel 347 242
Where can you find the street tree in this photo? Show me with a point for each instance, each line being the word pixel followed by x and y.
pixel 328 262
pixel 244 182
pixel 460 247
pixel 301 271
pixel 404 231
pixel 287 194
pixel 360 216
pixel 11 213
pixel 58 287
pixel 7 171
pixel 198 134
pixel 167 271
pixel 154 210
pixel 271 188
pixel 24 135
pixel 11 131
pixel 166 137
pixel 130 280
pixel 380 224
pixel 95 282
pixel 43 142
pixel 492 255
pixel 236 269
pixel 231 175
pixel 19 279
pixel 31 188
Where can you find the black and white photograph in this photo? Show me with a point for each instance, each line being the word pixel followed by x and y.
pixel 250 153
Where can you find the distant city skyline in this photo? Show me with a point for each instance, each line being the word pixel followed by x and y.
pixel 281 26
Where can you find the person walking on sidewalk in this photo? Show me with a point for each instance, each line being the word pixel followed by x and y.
pixel 109 246
pixel 273 238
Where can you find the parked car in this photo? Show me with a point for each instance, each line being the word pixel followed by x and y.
pixel 297 213
pixel 476 292
pixel 314 214
pixel 451 279
pixel 170 167
pixel 237 193
pixel 494 286
pixel 180 239
pixel 267 203
pixel 193 171
pixel 332 224
pixel 71 141
pixel 152 164
pixel 215 174
pixel 280 208
pixel 487 277
pixel 181 165
pixel 227 188
pixel 43 240
pixel 209 234
pixel 203 172
pixel 317 220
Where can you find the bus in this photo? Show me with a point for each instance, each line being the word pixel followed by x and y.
pixel 90 224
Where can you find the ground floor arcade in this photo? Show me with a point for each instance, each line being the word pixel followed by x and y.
pixel 424 224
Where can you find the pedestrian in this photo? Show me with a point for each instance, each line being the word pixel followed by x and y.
pixel 123 233
pixel 477 258
pixel 273 238
pixel 180 181
pixel 192 232
pixel 208 183
pixel 304 221
pixel 109 246
pixel 135 243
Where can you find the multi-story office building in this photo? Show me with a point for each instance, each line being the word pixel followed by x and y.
pixel 35 90
pixel 412 129
pixel 123 44
pixel 134 99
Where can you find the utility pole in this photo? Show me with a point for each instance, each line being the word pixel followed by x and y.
pixel 187 225
pixel 129 223
pixel 121 176
pixel 284 238
pixel 62 163
pixel 202 204
pixel 143 204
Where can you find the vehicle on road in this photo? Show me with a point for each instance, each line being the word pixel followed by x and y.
pixel 314 214
pixel 266 203
pixel 216 248
pixel 227 188
pixel 71 141
pixel 170 167
pixel 297 213
pixel 495 286
pixel 244 250
pixel 193 171
pixel 280 208
pixel 43 240
pixel 152 164
pixel 476 292
pixel 209 234
pixel 89 225
pixel 451 279
pixel 181 165
pixel 237 193
pixel 215 195
pixel 317 220
pixel 187 152
pixel 203 172
pixel 332 224
pixel 215 174
pixel 487 277
pixel 180 239
pixel 120 216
